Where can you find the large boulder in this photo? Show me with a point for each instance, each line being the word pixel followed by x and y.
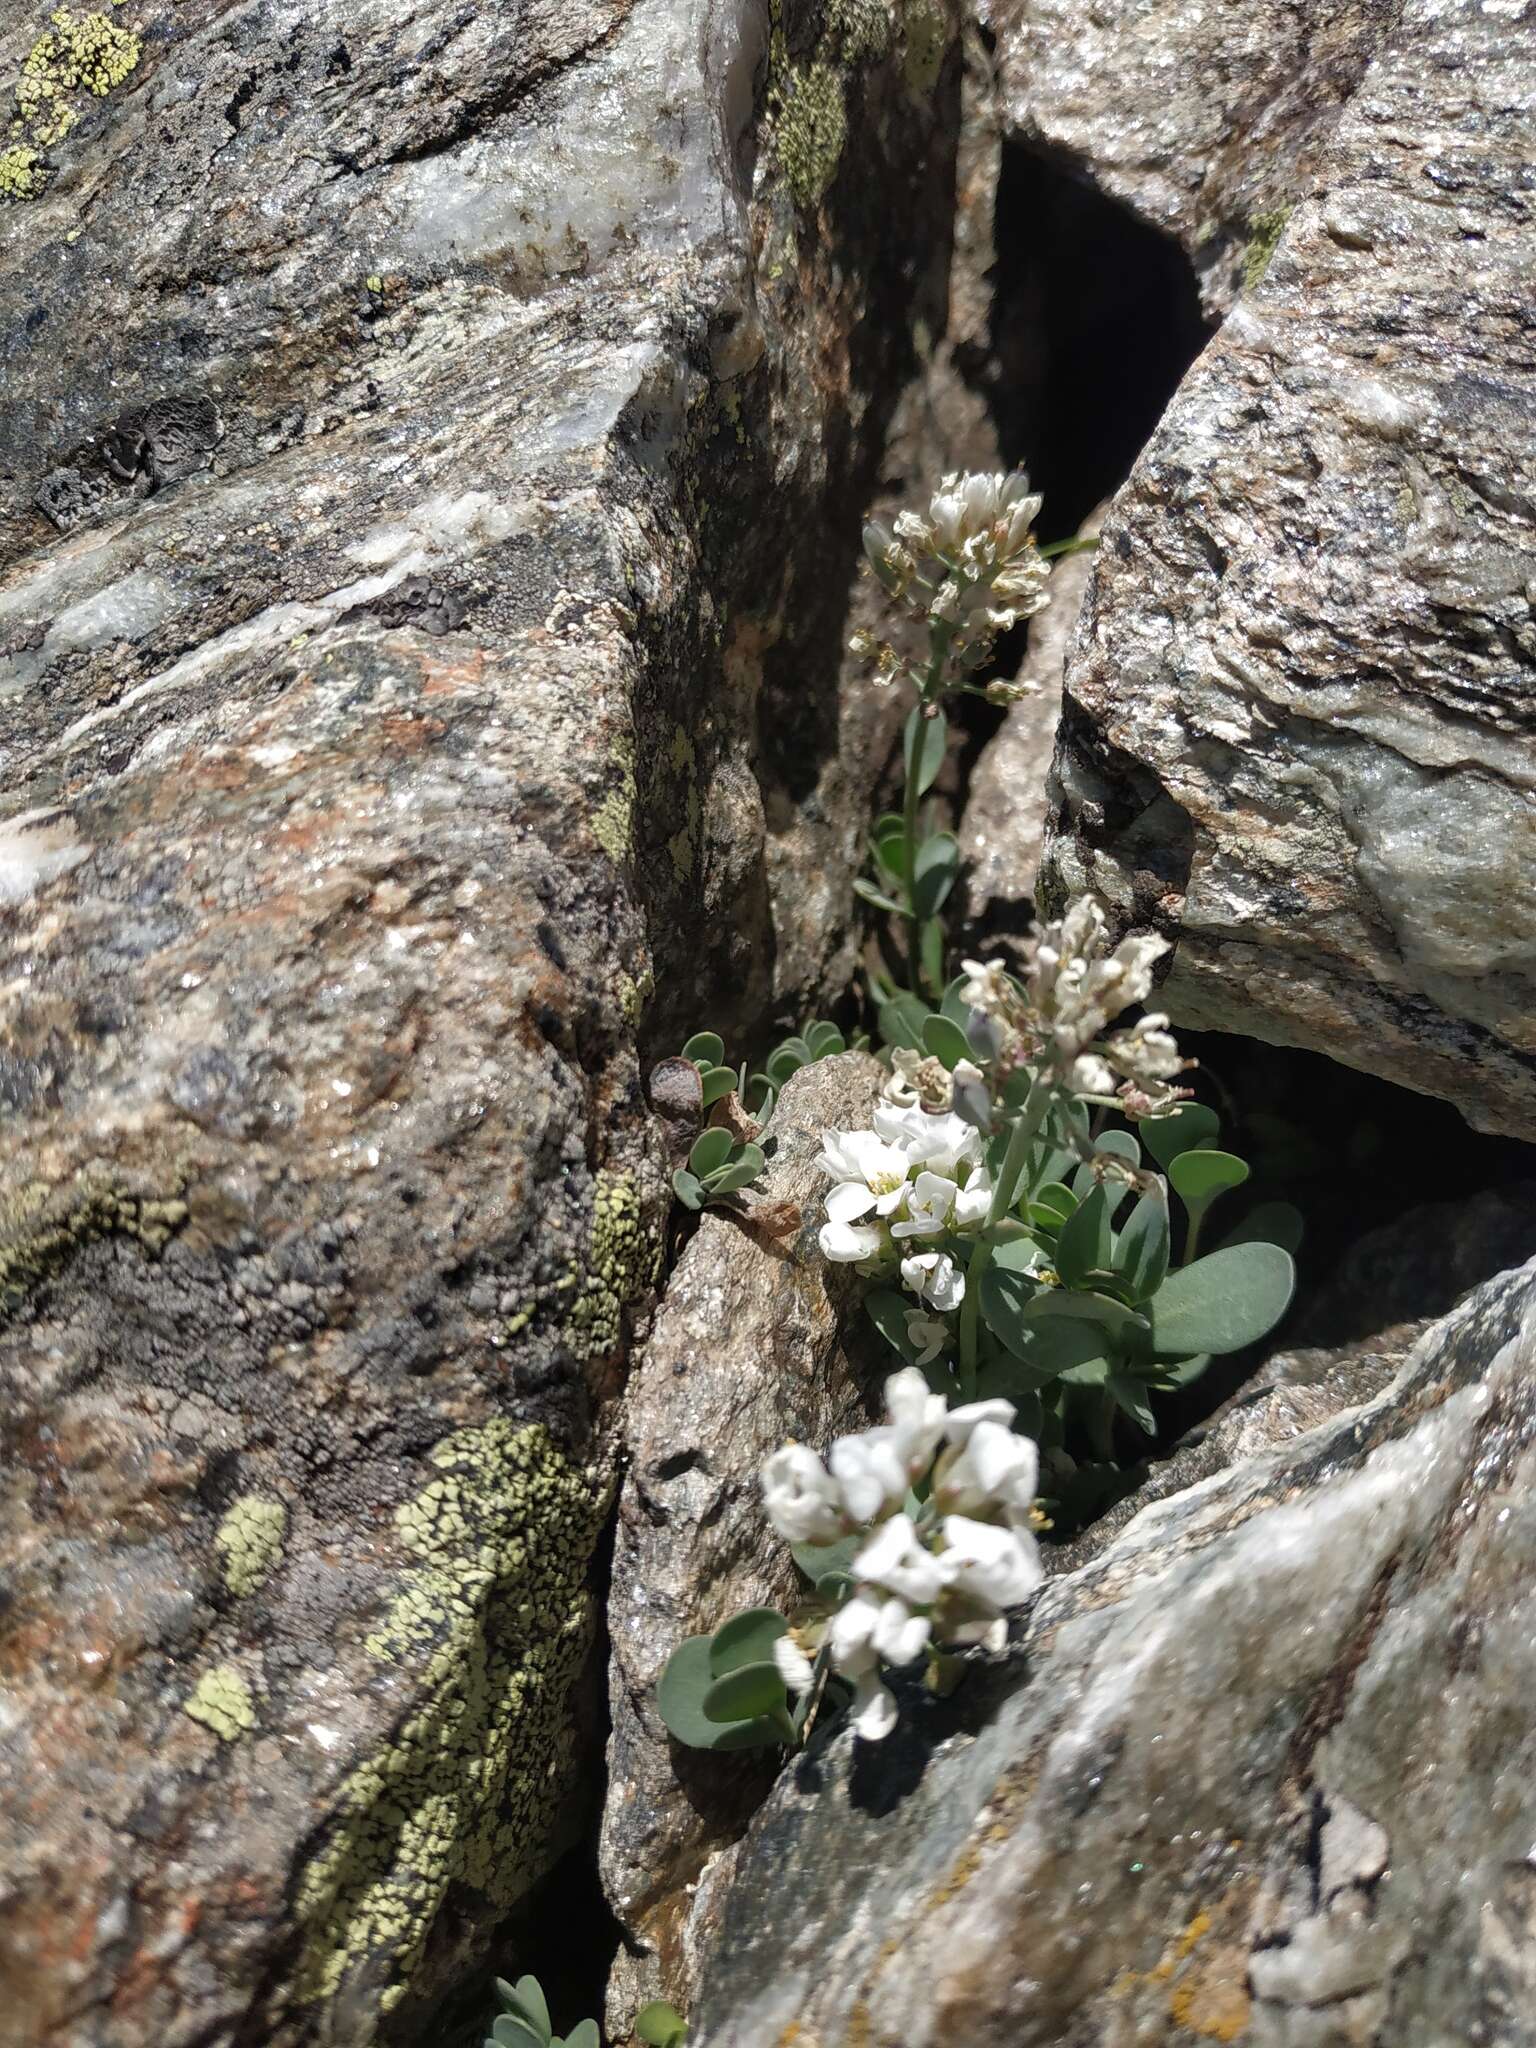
pixel 745 1354
pixel 1260 1771
pixel 1206 123
pixel 1298 727
pixel 433 449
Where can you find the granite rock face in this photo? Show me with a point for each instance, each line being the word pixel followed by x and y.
pixel 1229 1776
pixel 745 1354
pixel 1298 731
pixel 1207 123
pixel 1002 829
pixel 430 449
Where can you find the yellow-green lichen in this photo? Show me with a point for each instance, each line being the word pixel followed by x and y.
pixel 634 995
pixel 42 1227
pixel 1264 232
pixel 861 28
pixel 622 1260
pixel 80 54
pixel 489 1629
pixel 222 1701
pixel 810 126
pixel 250 1541
pixel 613 823
pixel 925 38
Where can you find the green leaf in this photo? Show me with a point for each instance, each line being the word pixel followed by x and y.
pixel 887 1310
pixel 824 1040
pixel 688 1189
pixel 1141 1253
pixel 1085 1243
pixel 717 1083
pixel 512 2031
pixel 1230 1298
pixel 1198 1177
pixel 711 1149
pixel 1093 1372
pixel 817 1560
pixel 660 2025
pixel 923 745
pixel 705 1049
pixel 1131 1398
pixel 946 1041
pixel 1184 1128
pixel 930 946
pixel 938 863
pixel 1051 1205
pixel 745 1693
pixel 952 1005
pixel 1171 1374
pixel 888 840
pixel 786 1059
pixel 868 893
pixel 901 1021
pixel 1270 1223
pixel 584 2036
pixel 680 1695
pixel 747 1638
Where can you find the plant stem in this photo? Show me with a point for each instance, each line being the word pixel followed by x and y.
pixel 911 798
pixel 1020 1140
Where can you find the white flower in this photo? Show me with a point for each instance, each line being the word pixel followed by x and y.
pixel 960 1422
pixel 926 1334
pixel 1090 1075
pixel 917 1415
pixel 874 1708
pixel 935 1278
pixel 930 1200
pixel 901 1636
pixel 801 1497
pixel 994 1469
pixel 1147 1052
pixel 848 1244
pixel 986 985
pixel 871 1471
pixel 991 1568
pixel 795 1668
pixel 851 1636
pixel 869 1175
pixel 894 1560
pixel 973 1203
pixel 943 1143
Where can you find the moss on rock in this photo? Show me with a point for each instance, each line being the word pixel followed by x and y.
pixel 493 1625
pixel 622 1259
pixel 1264 232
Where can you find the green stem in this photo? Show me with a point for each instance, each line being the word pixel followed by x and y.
pixel 912 797
pixel 1004 1189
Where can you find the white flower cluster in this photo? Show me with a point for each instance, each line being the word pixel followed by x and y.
pixel 1073 989
pixel 917 1175
pixel 969 566
pixel 942 1576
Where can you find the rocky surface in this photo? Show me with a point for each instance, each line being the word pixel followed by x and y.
pixel 1002 829
pixel 1230 1775
pixel 429 456
pixel 1298 733
pixel 1208 123
pixel 745 1354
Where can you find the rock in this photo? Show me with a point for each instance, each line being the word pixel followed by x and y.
pixel 462 435
pixel 744 1355
pixel 1002 828
pixel 1207 123
pixel 1228 1774
pixel 1298 732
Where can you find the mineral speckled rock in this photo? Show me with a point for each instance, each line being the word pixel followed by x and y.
pixel 1206 122
pixel 744 1355
pixel 1299 730
pixel 1260 1772
pixel 469 422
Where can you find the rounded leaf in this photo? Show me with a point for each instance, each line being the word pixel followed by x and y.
pixel 512 2031
pixel 945 1041
pixel 688 1189
pixel 679 1700
pixel 717 1083
pixel 1199 1176
pixel 1085 1243
pixel 824 1039
pixel 660 2025
pixel 584 2036
pixel 936 866
pixel 747 1638
pixel 745 1693
pixel 711 1149
pixel 705 1049
pixel 1230 1298
pixel 1165 1137
pixel 901 1022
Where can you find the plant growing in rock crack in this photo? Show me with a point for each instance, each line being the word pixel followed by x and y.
pixel 523 2022
pixel 720 1163
pixel 1029 1209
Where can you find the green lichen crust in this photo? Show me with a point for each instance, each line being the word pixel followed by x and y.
pixel 613 822
pixel 222 1701
pixel 42 1227
pixel 79 54
pixel 622 1263
pixel 808 102
pixel 1264 232
pixel 490 1630
pixel 250 1541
